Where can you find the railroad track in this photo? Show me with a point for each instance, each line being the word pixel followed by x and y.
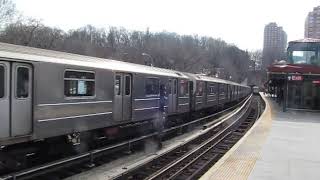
pixel 195 157
pixel 76 164
pixel 196 162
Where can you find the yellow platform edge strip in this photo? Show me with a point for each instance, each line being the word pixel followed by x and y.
pixel 240 160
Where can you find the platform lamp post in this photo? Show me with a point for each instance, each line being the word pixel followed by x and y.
pixel 151 59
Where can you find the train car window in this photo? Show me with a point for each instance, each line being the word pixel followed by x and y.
pixel 184 90
pixel 175 88
pixel 79 83
pixel 222 89
pixel 152 86
pixel 117 85
pixel 231 91
pixel 226 90
pixel 187 88
pixel 128 85
pixel 169 86
pixel 22 89
pixel 212 89
pixel 200 88
pixel 2 82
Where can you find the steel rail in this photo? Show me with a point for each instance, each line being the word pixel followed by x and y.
pixel 195 169
pixel 205 147
pixel 132 172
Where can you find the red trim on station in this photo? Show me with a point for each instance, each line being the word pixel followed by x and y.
pixel 294 68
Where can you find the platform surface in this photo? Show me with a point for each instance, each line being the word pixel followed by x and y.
pixel 292 150
pixel 281 145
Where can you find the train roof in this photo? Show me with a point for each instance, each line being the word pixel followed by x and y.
pixel 211 79
pixel 11 51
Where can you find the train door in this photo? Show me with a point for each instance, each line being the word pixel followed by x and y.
pixel 191 96
pixel 229 93
pixel 205 93
pixel 170 89
pixel 21 99
pixel 122 97
pixel 127 100
pixel 233 93
pixel 172 97
pixel 4 99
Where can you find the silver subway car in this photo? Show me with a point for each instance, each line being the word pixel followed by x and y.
pixel 46 94
pixel 208 93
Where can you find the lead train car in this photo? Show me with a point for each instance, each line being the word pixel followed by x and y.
pixel 46 94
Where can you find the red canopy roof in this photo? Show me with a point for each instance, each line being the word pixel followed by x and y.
pixel 294 68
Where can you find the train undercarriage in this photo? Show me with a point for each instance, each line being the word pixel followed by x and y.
pixel 23 155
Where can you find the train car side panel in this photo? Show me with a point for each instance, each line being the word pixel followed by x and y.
pixel 212 95
pixel 146 96
pixel 183 99
pixel 78 99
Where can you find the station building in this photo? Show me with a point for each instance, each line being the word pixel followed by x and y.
pixel 296 82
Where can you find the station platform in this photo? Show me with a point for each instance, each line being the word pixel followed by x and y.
pixel 280 145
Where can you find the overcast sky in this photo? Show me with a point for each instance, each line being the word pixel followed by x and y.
pixel 240 22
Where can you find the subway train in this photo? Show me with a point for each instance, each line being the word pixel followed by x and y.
pixel 49 96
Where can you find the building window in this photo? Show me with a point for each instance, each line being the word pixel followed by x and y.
pixel 2 81
pixel 22 89
pixel 79 83
pixel 184 90
pixel 152 86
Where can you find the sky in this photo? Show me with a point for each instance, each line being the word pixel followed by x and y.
pixel 239 22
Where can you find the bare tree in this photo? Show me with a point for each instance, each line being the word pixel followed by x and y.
pixel 168 50
pixel 7 11
pixel 256 57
